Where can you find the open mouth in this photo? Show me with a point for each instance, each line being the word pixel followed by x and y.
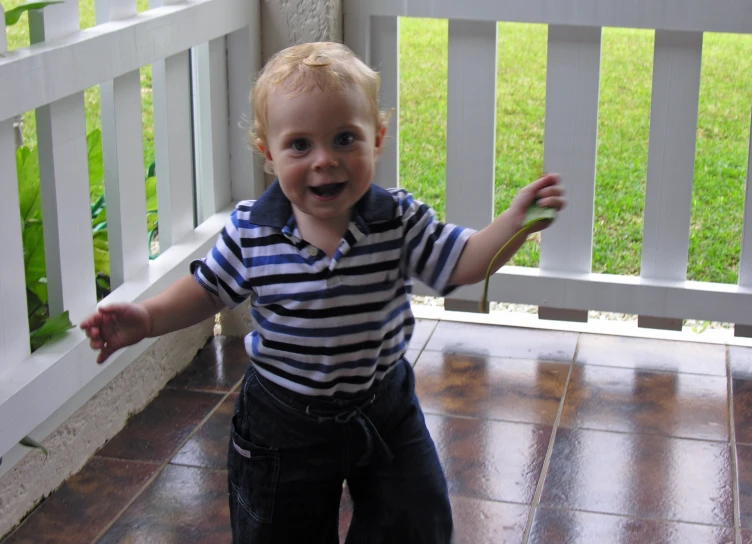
pixel 330 190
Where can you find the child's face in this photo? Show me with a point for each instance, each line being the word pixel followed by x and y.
pixel 323 147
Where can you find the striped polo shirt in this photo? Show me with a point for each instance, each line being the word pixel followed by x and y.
pixel 330 326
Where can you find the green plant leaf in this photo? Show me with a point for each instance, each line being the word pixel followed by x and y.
pixel 34 263
pixel 101 253
pixel 152 171
pixel 537 213
pixel 27 170
pixel 12 16
pixel 96 164
pixel 52 328
pixel 31 443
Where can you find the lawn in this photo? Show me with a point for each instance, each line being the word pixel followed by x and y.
pixel 623 129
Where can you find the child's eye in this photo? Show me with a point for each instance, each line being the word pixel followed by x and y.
pixel 300 145
pixel 344 139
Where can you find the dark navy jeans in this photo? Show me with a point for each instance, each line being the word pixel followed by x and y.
pixel 289 455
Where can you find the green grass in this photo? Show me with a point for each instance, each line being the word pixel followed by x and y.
pixel 18 36
pixel 623 131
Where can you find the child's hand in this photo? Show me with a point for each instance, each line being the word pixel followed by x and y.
pixel 116 326
pixel 545 192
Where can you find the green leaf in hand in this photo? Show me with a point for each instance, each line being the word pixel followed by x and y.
pixel 53 327
pixel 537 213
pixel 12 16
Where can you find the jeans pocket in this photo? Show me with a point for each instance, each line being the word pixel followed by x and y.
pixel 253 472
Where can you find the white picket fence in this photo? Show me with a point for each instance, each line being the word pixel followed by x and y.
pixel 564 285
pixel 203 54
pixel 223 35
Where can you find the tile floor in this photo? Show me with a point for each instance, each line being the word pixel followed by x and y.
pixel 546 437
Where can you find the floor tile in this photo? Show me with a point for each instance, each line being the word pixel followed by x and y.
pixel 568 527
pixel 219 365
pixel 496 341
pixel 488 522
pixel 422 332
pixel 746 537
pixel 649 353
pixel 644 476
pixel 155 433
pixel 740 361
pixel 495 388
pixel 208 447
pixel 744 458
pixel 76 512
pixel 412 356
pixel 742 392
pixel 183 504
pixel 492 460
pixel 647 402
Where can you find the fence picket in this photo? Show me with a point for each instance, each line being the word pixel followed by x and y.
pixel 384 48
pixel 123 155
pixel 61 140
pixel 210 106
pixel 572 86
pixel 745 261
pixel 471 130
pixel 671 155
pixel 14 327
pixel 243 61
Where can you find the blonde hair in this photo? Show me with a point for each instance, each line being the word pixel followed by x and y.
pixel 326 66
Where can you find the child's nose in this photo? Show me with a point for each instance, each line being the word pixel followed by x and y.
pixel 325 158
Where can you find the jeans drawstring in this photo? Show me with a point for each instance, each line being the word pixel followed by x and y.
pixel 374 443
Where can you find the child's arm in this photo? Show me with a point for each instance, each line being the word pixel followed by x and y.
pixel 483 245
pixel 118 325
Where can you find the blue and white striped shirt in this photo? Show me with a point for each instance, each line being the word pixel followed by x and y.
pixel 330 326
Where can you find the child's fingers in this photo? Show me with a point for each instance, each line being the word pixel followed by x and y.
pixel 104 354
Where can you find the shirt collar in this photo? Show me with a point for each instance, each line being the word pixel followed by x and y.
pixel 273 209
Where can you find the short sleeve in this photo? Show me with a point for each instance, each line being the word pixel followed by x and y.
pixel 223 272
pixel 431 248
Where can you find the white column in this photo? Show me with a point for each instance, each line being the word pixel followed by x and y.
pixel 671 156
pixel 123 154
pixel 471 130
pixel 14 326
pixel 63 169
pixel 571 132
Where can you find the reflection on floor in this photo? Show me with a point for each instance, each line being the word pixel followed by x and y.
pixel 546 437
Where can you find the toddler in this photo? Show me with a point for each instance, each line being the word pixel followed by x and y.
pixel 326 259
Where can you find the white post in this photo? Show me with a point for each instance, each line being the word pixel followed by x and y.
pixel 385 58
pixel 14 326
pixel 471 130
pixel 122 148
pixel 572 87
pixel 745 261
pixel 61 137
pixel 171 87
pixel 243 62
pixel 671 156
pixel 210 106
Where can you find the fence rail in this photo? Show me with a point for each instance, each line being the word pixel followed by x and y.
pixel 203 55
pixel 564 286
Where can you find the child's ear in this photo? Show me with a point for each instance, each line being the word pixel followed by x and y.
pixel 262 147
pixel 379 141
